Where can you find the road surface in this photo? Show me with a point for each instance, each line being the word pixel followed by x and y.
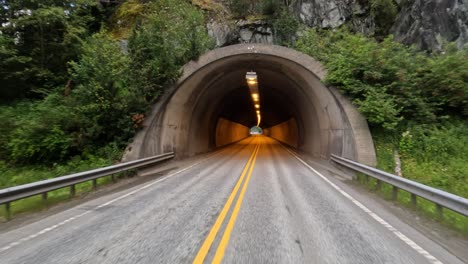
pixel 251 202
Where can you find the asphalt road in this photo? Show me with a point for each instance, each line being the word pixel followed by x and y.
pixel 252 202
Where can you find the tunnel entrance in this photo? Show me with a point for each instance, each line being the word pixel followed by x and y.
pixel 211 106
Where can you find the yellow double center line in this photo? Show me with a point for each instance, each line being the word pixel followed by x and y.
pixel 230 225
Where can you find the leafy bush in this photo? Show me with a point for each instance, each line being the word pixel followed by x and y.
pixel 436 155
pixel 285 27
pixel 240 8
pixel 433 154
pixel 388 81
pixel 102 98
pixel 170 35
pixel 384 13
pixel 36 131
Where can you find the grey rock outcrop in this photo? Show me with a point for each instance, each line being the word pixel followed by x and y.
pixel 241 31
pixel 255 32
pixel 335 13
pixel 223 33
pixel 427 23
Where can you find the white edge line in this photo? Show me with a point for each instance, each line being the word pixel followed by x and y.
pixel 377 218
pixel 48 229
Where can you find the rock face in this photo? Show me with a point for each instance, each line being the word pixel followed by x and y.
pixel 335 13
pixel 426 23
pixel 223 33
pixel 241 31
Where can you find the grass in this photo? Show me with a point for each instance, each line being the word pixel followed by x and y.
pixel 430 172
pixel 35 203
pixel 423 207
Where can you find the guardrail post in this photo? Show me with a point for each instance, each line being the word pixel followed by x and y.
pixel 44 198
pixel 113 178
pixel 395 193
pixel 72 191
pixel 439 211
pixel 378 185
pixel 94 184
pixel 7 211
pixel 414 200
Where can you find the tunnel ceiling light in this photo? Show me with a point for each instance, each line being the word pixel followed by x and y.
pixel 252 82
pixel 251 76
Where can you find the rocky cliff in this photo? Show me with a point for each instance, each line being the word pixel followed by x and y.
pixel 427 23
pixel 335 13
pixel 423 23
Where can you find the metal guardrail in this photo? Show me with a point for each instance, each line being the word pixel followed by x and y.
pixel 440 198
pixel 19 192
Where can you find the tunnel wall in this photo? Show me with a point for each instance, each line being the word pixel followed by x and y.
pixel 285 132
pixel 184 119
pixel 228 132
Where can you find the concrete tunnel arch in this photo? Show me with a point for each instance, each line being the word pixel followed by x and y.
pixel 210 107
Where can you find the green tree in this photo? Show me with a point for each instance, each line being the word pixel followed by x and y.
pixel 446 80
pixel 170 35
pixel 102 99
pixel 47 34
pixel 13 70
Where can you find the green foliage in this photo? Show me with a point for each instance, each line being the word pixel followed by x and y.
pixel 447 76
pixel 109 89
pixel 388 81
pixel 169 36
pixel 244 8
pixel 240 8
pixel 47 34
pixel 270 7
pixel 35 131
pixel 431 154
pixel 380 108
pixel 285 27
pixel 102 99
pixel 13 73
pixel 434 155
pixel 384 13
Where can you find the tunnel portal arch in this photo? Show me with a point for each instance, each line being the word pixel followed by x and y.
pixel 210 107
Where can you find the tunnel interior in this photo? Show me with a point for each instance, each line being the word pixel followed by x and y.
pixel 229 100
pixel 211 106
